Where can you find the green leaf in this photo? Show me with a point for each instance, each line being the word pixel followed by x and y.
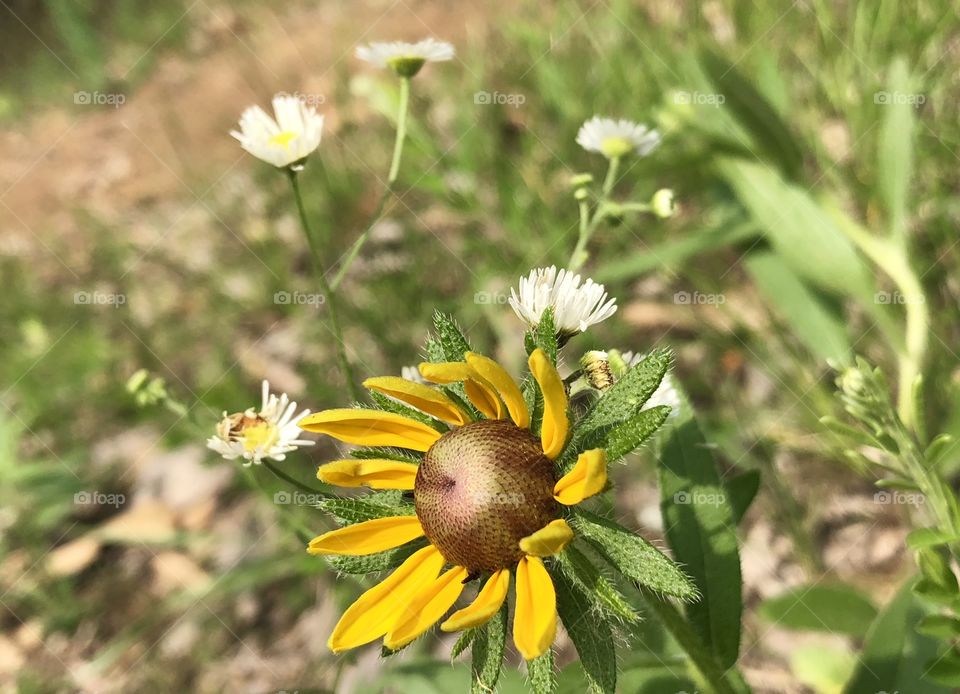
pixel 452 342
pixel 945 669
pixel 935 567
pixel 633 556
pixel 388 405
pixel 466 638
pixel 894 656
pixel 488 646
pixel 399 454
pixel 800 231
pixel 930 537
pixel 617 405
pixel 374 563
pixel 940 626
pixel 592 637
pixel 627 437
pixel 895 150
pixel 606 598
pixel 674 253
pixel 545 335
pixel 368 507
pixel 768 131
pixel 835 608
pixel 543 679
pixel 742 490
pixel 701 530
pixel 819 327
pixel 824 669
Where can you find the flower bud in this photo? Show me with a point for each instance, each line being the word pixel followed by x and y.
pixel 663 203
pixel 596 369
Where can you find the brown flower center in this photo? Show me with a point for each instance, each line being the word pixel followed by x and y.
pixel 481 489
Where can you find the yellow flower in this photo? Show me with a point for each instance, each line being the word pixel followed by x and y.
pixel 486 498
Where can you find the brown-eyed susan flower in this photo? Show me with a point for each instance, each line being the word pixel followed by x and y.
pixel 488 499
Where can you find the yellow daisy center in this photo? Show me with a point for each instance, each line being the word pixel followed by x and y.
pixel 262 434
pixel 616 146
pixel 283 138
pixel 480 490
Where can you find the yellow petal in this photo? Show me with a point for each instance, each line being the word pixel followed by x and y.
pixel 586 478
pixel 375 473
pixel 548 540
pixel 553 430
pixel 368 537
pixel 535 623
pixel 371 428
pixel 419 396
pixel 426 608
pixel 481 393
pixel 375 612
pixel 484 606
pixel 507 388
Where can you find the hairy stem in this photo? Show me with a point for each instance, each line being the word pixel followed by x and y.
pixel 329 297
pixel 388 189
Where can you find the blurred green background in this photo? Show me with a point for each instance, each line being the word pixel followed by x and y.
pixel 136 234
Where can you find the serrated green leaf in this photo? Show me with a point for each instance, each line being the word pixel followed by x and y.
pixel 605 596
pixel 374 563
pixel 399 454
pixel 701 530
pixel 633 556
pixel 465 639
pixel 452 341
pixel 619 404
pixel 488 647
pixel 543 679
pixel 894 656
pixel 592 637
pixel 834 608
pixel 625 438
pixel 895 148
pixel 364 508
pixel 388 405
pixel 545 335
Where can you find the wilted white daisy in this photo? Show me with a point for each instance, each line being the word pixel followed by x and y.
pixel 285 139
pixel 575 307
pixel 405 59
pixel 270 433
pixel 616 138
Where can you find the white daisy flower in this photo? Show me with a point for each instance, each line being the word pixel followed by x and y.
pixel 270 433
pixel 617 138
pixel 412 373
pixel 285 139
pixel 405 59
pixel 575 307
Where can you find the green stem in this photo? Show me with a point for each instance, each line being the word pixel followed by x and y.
pixel 391 179
pixel 589 225
pixel 892 257
pixel 329 297
pixel 714 677
pixel 281 475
